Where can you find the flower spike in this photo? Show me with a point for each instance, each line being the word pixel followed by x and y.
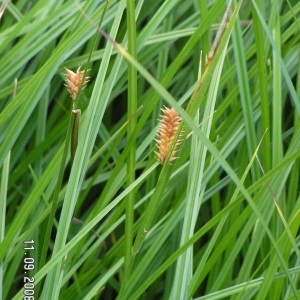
pixel 74 81
pixel 170 121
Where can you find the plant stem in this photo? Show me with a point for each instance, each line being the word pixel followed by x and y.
pixel 132 107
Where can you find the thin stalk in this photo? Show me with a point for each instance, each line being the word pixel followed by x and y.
pixel 132 108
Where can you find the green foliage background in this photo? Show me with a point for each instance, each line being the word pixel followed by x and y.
pixel 220 222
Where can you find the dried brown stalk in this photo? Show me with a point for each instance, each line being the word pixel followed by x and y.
pixel 220 33
pixel 169 124
pixel 3 7
pixel 75 81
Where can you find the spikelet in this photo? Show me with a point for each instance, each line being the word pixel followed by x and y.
pixel 169 124
pixel 74 82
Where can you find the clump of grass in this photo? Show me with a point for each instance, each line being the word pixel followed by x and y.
pixel 215 224
pixel 169 124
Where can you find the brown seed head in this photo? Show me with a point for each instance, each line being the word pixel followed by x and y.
pixel 74 81
pixel 169 124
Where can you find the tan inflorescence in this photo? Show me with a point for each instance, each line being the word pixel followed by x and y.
pixel 74 81
pixel 169 124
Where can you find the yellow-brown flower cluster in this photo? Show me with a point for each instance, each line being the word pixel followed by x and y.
pixel 75 81
pixel 169 124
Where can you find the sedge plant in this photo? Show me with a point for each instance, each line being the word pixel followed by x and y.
pixel 183 177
